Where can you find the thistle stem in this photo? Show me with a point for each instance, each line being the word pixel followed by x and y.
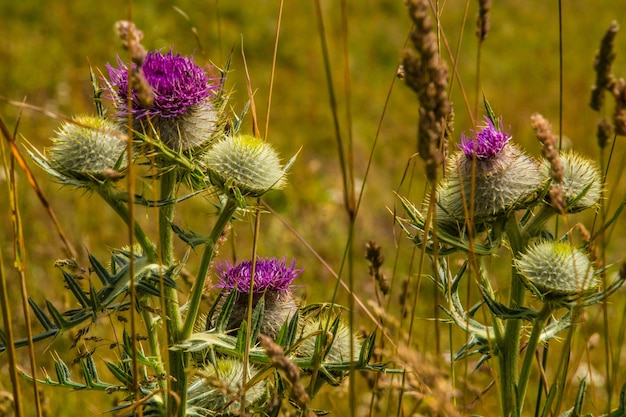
pixel 538 327
pixel 178 359
pixel 509 350
pixel 534 226
pixel 117 204
pixel 209 251
pixel 155 348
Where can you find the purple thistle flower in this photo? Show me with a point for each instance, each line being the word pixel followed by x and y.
pixel 270 274
pixel 177 83
pixel 487 142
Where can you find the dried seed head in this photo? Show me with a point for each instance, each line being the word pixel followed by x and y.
pixel 619 113
pixel 131 40
pixel 602 65
pixel 427 74
pixel 550 151
pixel 604 132
pixel 290 370
pixel 482 24
pixel 550 142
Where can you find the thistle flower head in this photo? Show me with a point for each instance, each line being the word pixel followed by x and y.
pixel 176 81
pixel 178 97
pixel 272 283
pixel 87 148
pixel 557 270
pixel 245 163
pixel 485 142
pixel 487 188
pixel 270 274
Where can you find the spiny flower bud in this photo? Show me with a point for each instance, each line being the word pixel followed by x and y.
pixel 219 384
pixel 244 165
pixel 272 281
pixel 557 270
pixel 581 184
pixel 489 178
pixel 340 350
pixel 87 148
pixel 181 108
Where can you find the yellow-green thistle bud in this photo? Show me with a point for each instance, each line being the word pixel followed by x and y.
pixel 582 182
pixel 219 384
pixel 244 165
pixel 557 270
pixel 88 148
pixel 487 187
pixel 340 350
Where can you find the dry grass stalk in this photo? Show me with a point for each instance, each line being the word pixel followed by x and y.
pixel 604 132
pixel 550 151
pixel 375 258
pixel 290 370
pixel 602 64
pixel 427 74
pixel 131 41
pixel 482 24
pixel 428 384
pixel 619 114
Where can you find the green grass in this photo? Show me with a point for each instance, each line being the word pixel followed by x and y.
pixel 46 49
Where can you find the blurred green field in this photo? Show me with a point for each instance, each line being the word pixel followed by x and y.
pixel 47 48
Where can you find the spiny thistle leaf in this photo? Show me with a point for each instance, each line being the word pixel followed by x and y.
pixel 90 374
pixel 76 290
pixel 257 320
pixel 119 373
pixel 222 319
pixel 489 111
pixel 191 238
pixel 288 332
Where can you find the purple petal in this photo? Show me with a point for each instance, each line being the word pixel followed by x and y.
pixel 269 274
pixel 486 142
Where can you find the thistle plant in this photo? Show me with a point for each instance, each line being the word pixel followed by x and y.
pixel 180 359
pixel 497 197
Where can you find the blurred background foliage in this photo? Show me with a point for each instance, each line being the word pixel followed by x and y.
pixel 47 48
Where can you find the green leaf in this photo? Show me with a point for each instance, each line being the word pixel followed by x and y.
pixel 241 338
pixel 489 111
pixel 76 290
pixel 227 308
pixel 100 271
pixel 257 320
pixel 119 373
pixel 288 332
pixel 191 238
pixel 64 376
pixel 41 316
pixel 90 373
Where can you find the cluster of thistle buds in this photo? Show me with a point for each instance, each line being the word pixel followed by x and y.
pixel 494 195
pixel 494 191
pixel 490 180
